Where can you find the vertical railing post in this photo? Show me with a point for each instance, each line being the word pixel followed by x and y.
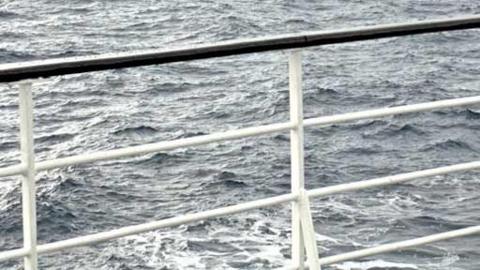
pixel 28 177
pixel 296 153
pixel 308 231
pixel 303 235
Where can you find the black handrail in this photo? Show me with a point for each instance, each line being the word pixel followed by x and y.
pixel 62 66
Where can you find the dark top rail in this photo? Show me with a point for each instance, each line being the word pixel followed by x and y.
pixel 62 66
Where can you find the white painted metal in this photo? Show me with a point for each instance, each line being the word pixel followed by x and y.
pixel 400 245
pixel 392 179
pixel 340 118
pixel 12 170
pixel 188 218
pixel 296 153
pixel 136 229
pixel 257 204
pixel 303 235
pixel 308 231
pixel 396 246
pixel 27 168
pixel 237 134
pixel 13 254
pixel 28 177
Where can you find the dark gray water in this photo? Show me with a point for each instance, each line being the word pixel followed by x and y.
pixel 105 110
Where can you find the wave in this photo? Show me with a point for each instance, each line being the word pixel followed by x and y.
pixel 366 124
pixel 364 150
pixel 6 145
pixel 424 221
pixel 449 144
pixel 200 226
pixel 189 134
pixel 141 130
pixel 226 175
pixel 226 179
pixel 7 56
pixel 471 114
pixel 10 209
pixel 468 113
pixel 55 215
pixel 164 157
pixel 397 130
pixel 214 245
pixel 4 14
pixel 171 88
pixel 55 138
pixel 374 265
pixel 281 137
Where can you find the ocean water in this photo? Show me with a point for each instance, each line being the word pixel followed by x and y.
pixel 104 110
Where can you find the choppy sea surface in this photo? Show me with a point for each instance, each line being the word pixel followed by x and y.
pixel 105 110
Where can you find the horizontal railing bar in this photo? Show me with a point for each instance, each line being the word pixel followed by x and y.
pixel 389 180
pixel 393 179
pixel 420 107
pixel 162 146
pixel 13 170
pixel 399 245
pixel 392 247
pixel 63 66
pixel 137 229
pixel 247 132
pixel 13 254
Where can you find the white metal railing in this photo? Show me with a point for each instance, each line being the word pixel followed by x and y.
pixel 303 234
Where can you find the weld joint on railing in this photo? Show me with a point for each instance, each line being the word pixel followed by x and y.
pixel 295 124
pixel 26 170
pixel 302 192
